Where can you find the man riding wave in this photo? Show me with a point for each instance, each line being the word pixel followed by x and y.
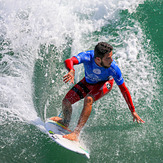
pixel 100 73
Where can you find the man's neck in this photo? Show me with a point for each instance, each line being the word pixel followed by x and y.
pixel 97 62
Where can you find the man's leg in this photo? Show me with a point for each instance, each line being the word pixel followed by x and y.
pixel 67 111
pixel 88 101
pixel 78 92
pixel 98 91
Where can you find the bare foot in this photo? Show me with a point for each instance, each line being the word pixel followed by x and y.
pixel 59 120
pixel 72 136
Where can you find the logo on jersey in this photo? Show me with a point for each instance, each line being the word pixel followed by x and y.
pixel 87 58
pixel 97 71
pixel 92 77
pixel 108 85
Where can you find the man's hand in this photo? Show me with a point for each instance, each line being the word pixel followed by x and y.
pixel 69 77
pixel 138 119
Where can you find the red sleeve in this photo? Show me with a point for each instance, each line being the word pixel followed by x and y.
pixel 70 62
pixel 127 96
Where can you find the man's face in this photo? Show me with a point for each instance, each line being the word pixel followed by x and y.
pixel 107 60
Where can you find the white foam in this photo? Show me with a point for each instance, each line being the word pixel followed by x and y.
pixel 27 24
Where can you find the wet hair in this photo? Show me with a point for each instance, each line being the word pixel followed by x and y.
pixel 101 49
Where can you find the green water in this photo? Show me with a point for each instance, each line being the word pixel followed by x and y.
pixel 36 38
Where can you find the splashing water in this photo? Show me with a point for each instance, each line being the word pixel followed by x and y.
pixel 37 36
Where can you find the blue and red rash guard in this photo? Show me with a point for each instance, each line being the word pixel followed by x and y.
pixel 95 73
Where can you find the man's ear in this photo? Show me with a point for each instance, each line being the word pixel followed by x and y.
pixel 98 59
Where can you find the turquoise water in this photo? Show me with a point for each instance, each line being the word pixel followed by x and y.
pixel 35 39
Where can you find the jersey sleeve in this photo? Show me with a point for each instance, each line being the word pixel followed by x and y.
pixel 126 94
pixel 69 63
pixel 117 75
pixel 84 56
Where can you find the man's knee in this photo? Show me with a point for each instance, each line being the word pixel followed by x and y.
pixel 88 100
pixel 66 102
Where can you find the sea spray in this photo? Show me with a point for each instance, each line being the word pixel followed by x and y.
pixel 35 39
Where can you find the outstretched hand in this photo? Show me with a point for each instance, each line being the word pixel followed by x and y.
pixel 69 77
pixel 138 119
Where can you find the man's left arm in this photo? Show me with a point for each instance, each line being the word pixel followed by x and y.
pixel 126 94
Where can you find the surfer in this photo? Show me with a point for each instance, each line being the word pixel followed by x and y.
pixel 100 72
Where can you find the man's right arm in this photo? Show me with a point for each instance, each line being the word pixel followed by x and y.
pixel 69 63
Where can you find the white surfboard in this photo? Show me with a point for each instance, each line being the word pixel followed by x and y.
pixel 56 131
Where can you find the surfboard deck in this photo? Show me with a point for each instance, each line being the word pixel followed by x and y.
pixel 56 131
